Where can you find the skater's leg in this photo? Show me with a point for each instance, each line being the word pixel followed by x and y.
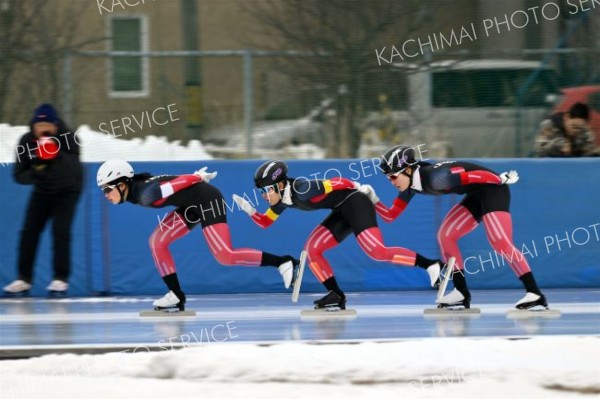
pixel 498 227
pixel 371 242
pixel 325 236
pixel 218 238
pixel 212 215
pixel 462 219
pixel 159 242
pixel 162 237
pixel 457 223
pixel 359 213
pixel 319 241
pixel 497 220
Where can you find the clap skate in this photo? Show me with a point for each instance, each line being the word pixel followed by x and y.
pixel 286 270
pixel 434 274
pixel 454 303
pixel 168 305
pixel 532 305
pixel 297 281
pixel 331 304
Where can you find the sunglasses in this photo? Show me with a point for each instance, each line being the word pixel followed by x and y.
pixel 107 188
pixel 266 189
pixel 394 176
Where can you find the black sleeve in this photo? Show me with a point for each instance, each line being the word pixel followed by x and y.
pixel 23 171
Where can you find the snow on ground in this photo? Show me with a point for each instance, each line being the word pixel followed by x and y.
pixel 98 147
pixel 542 367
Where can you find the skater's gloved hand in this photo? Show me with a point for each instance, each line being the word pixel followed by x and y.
pixel 370 192
pixel 206 176
pixel 244 205
pixel 509 177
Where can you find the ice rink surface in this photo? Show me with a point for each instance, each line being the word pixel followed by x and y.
pixel 258 346
pixel 32 326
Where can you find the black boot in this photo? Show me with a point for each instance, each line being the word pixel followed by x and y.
pixel 331 300
pixel 460 284
pixel 453 298
pixel 531 300
pixel 172 283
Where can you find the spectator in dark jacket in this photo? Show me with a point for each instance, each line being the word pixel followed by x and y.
pixel 567 135
pixel 48 159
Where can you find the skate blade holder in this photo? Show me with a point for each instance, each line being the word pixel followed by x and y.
pixel 328 312
pixel 529 313
pixel 451 312
pixel 168 313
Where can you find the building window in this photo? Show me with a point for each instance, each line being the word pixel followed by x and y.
pixel 128 75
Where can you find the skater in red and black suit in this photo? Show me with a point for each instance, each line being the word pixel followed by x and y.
pixel 351 212
pixel 197 203
pixel 487 200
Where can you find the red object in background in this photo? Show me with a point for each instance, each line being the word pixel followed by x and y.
pixel 589 95
pixel 47 148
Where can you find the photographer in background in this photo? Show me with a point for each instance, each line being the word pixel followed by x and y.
pixel 48 159
pixel 567 135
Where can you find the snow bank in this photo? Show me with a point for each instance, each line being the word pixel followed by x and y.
pixel 543 367
pixel 98 147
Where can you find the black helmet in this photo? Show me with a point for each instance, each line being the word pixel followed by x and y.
pixel 397 159
pixel 269 173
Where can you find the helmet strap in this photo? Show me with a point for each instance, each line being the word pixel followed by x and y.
pixel 410 177
pixel 122 192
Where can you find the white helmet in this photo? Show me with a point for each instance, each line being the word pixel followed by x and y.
pixel 113 170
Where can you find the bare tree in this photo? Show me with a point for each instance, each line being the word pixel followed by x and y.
pixel 34 36
pixel 342 36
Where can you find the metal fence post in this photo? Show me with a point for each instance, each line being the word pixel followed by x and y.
pixel 67 106
pixel 248 101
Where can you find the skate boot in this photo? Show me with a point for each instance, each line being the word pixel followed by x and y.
pixel 531 300
pixel 455 299
pixel 57 288
pixel 434 274
pixel 17 288
pixel 287 273
pixel 170 303
pixel 331 300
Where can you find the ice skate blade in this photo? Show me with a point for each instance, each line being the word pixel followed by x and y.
pixel 298 279
pixel 327 312
pixel 445 276
pixel 446 312
pixel 22 294
pixel 528 313
pixel 162 313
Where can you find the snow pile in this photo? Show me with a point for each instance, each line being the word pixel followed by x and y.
pixel 544 367
pixel 98 147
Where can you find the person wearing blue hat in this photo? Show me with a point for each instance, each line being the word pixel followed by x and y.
pixel 47 159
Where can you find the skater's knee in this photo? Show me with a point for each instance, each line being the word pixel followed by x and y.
pixel 314 253
pixel 225 258
pixel 502 245
pixel 378 253
pixel 447 237
pixel 379 257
